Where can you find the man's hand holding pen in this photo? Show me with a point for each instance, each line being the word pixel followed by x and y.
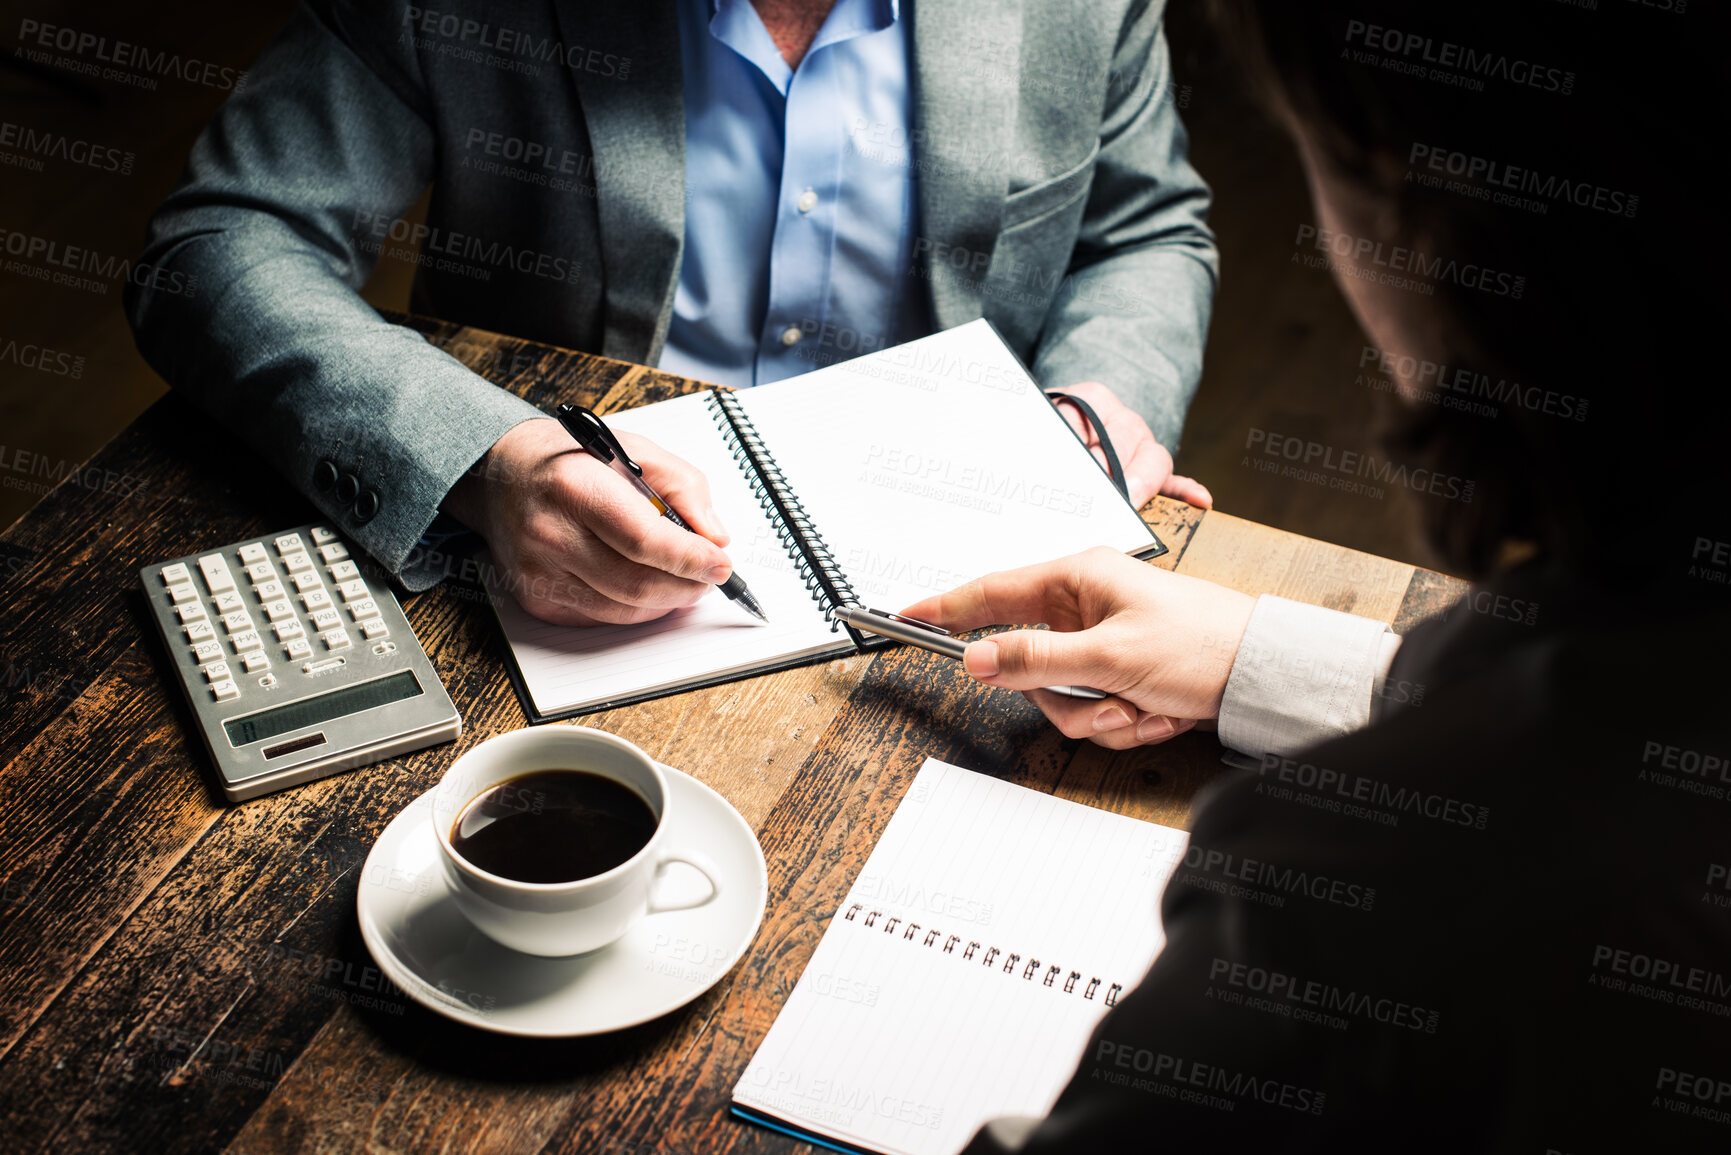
pixel 577 544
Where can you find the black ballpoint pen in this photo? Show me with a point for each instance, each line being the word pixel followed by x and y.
pixel 598 441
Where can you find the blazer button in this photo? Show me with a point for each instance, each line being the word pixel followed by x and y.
pixel 366 505
pixel 325 473
pixel 347 486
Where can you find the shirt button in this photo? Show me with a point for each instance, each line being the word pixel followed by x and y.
pixel 791 335
pixel 807 201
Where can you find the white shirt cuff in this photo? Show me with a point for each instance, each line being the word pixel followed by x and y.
pixel 1303 674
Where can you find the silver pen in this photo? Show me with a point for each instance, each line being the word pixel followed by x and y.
pixel 934 638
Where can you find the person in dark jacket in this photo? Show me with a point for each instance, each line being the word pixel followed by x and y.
pixel 1512 929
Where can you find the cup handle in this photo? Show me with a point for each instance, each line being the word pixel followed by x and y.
pixel 697 862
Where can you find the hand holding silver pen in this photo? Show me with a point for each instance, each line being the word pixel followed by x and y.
pixel 1163 644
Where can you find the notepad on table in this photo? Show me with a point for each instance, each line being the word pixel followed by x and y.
pixel 989 932
pixel 876 482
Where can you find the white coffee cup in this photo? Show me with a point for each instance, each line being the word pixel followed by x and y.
pixel 556 919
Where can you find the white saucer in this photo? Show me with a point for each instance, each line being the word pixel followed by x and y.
pixel 425 945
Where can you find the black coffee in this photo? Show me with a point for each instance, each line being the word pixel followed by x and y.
pixel 553 826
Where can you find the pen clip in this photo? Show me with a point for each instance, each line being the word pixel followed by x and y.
pixel 596 439
pixel 909 621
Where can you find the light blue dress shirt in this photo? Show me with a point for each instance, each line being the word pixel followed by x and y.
pixel 799 217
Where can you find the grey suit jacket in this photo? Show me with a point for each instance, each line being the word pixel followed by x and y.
pixel 1054 198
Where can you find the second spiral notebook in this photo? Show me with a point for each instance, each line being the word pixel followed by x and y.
pixel 876 481
pixel 990 931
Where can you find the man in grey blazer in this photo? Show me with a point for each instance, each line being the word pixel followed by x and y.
pixel 1046 188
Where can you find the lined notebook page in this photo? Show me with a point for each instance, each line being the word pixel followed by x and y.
pixel 563 667
pixel 932 463
pixel 906 1045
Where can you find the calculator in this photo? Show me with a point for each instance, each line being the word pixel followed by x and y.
pixel 296 658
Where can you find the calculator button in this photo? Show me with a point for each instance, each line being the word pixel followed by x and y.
pixel 289 543
pixel 344 570
pixel 255 661
pixel 269 591
pixel 173 575
pixel 248 640
pixel 228 603
pixel 353 591
pixel 336 551
pixel 326 619
pixel 191 612
pixel 374 629
pixel 278 610
pixel 200 632
pixel 252 552
pixel 365 608
pixel 260 572
pixel 225 690
pixel 316 600
pixel 216 671
pixel 207 652
pixel 323 534
pixel 217 579
pixel 182 593
pixel 237 621
pixel 289 629
pixel 299 648
pixel 295 562
pixel 307 581
pixel 336 639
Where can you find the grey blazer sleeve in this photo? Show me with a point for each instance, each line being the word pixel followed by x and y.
pixel 1135 312
pixel 267 239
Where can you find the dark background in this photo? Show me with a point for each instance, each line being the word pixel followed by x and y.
pixel 1282 354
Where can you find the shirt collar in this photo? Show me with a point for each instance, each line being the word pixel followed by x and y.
pixel 736 24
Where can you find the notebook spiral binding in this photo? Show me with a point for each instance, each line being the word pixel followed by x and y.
pixel 823 579
pixel 990 959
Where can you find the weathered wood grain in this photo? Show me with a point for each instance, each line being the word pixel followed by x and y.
pixel 1428 594
pixel 90 830
pixel 181 974
pixel 1175 523
pixel 1257 559
pixel 69 563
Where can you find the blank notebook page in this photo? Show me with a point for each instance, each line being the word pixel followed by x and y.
pixel 966 969
pixel 564 667
pixel 932 463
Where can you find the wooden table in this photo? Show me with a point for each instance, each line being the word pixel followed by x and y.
pixel 181 974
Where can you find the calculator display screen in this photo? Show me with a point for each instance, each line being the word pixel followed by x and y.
pixel 312 711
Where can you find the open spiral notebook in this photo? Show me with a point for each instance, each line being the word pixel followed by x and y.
pixel 873 482
pixel 987 935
